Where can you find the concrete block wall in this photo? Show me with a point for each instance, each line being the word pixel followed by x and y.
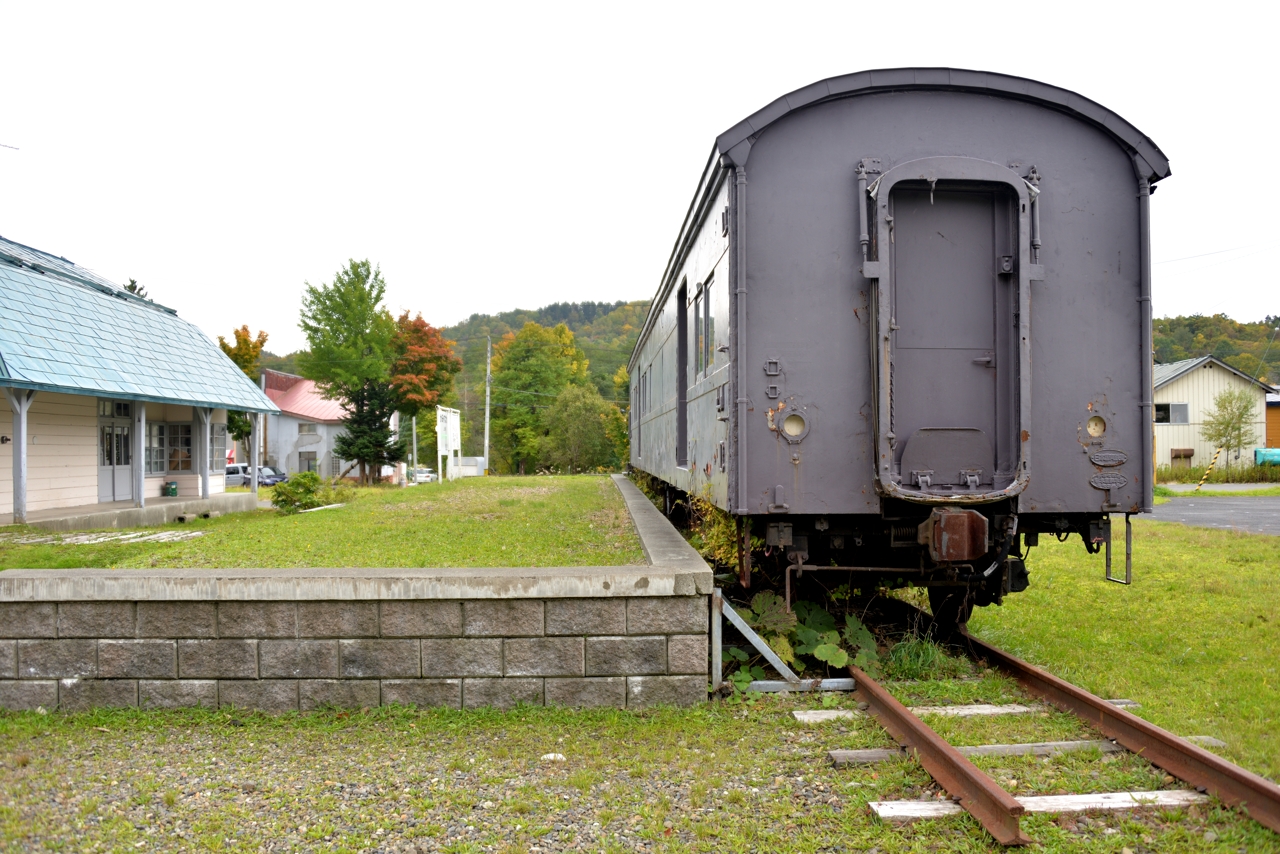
pixel 621 652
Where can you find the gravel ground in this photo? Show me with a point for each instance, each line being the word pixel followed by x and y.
pixel 728 777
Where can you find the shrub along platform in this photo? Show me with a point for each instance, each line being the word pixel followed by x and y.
pixel 277 640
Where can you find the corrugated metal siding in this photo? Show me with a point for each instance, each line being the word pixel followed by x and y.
pixel 1198 388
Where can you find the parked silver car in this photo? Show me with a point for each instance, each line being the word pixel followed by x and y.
pixel 238 474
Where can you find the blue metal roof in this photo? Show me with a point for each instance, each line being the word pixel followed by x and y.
pixel 66 329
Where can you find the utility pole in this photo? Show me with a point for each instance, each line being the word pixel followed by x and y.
pixel 488 381
pixel 414 422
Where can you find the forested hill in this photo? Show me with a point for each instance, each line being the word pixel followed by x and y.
pixel 1240 345
pixel 606 332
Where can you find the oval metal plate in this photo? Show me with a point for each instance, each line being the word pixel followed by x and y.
pixel 1109 458
pixel 1108 480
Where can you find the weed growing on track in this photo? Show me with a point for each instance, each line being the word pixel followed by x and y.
pixel 1195 640
pixel 508 521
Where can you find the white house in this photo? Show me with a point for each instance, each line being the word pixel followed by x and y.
pixel 111 396
pixel 301 436
pixel 1184 399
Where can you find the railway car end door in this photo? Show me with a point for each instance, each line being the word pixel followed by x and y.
pixel 952 362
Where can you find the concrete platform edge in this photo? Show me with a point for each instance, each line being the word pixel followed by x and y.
pixel 674 569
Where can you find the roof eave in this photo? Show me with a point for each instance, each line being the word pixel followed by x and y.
pixel 145 398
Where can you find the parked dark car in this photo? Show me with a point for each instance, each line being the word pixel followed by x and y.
pixel 268 476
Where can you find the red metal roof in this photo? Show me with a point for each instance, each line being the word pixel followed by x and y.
pixel 300 397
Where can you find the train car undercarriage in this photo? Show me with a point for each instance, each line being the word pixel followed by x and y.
pixel 965 557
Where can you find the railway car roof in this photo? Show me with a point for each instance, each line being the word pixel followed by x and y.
pixel 736 141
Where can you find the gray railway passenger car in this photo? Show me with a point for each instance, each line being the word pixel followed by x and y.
pixel 906 329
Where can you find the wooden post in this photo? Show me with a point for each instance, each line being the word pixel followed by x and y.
pixel 201 455
pixel 139 453
pixel 255 418
pixel 20 403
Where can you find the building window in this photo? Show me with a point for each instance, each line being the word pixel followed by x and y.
pixel 155 455
pixel 1173 413
pixel 114 446
pixel 114 409
pixel 307 461
pixel 180 447
pixel 335 465
pixel 217 446
pixel 306 428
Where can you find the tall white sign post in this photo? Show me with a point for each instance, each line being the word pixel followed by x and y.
pixel 449 440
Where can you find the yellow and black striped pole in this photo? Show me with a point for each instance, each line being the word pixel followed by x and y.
pixel 1208 471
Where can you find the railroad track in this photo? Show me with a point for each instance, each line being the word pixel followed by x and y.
pixel 997 810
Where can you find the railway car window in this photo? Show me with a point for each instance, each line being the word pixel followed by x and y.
pixel 699 337
pixel 708 328
pixel 682 375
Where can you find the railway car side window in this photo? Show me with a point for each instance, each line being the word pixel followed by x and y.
pixel 709 326
pixel 682 375
pixel 699 336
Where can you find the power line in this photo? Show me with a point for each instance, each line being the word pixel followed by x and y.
pixel 1201 255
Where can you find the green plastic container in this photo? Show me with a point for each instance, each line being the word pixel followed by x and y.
pixel 170 489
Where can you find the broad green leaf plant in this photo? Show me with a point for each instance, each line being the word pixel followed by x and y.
pixel 805 638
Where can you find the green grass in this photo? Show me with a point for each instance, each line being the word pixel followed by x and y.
pixel 724 777
pixel 1195 640
pixel 1221 474
pixel 531 521
pixel 1210 492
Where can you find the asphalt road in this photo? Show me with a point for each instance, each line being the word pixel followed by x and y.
pixel 1260 515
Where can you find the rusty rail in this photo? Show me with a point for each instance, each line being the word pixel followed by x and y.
pixel 1256 796
pixel 993 807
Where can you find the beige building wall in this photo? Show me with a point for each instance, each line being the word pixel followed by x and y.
pixel 1198 388
pixel 62 453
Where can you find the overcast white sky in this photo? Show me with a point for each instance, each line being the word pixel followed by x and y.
pixel 494 156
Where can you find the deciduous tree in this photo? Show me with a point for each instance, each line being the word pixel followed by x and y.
pixel 578 430
pixel 424 364
pixel 349 333
pixel 246 353
pixel 1230 424
pixel 530 369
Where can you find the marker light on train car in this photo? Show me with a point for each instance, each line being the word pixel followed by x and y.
pixel 1096 426
pixel 793 424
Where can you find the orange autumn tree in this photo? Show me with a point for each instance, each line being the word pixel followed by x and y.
pixel 247 355
pixel 424 364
